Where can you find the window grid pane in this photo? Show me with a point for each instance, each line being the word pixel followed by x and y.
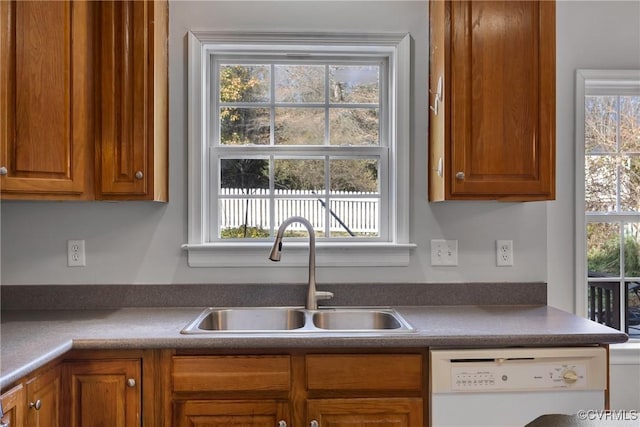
pixel 303 105
pixel 269 104
pixel 612 196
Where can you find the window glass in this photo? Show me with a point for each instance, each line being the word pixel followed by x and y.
pixel 244 83
pixel 280 122
pixel 603 249
pixel 300 83
pixel 612 204
pixel 354 84
pixel 299 126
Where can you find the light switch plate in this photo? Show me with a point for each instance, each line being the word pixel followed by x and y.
pixel 444 252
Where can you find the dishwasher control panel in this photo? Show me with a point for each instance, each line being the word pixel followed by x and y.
pixel 518 369
pixel 511 375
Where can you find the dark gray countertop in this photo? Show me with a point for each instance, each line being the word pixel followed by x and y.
pixel 31 338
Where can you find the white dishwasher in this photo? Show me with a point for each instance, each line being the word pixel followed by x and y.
pixel 509 387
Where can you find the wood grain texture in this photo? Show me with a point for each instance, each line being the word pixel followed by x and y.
pixel 99 394
pixel 257 413
pixel 373 412
pixel 46 108
pixel 13 406
pixel 131 159
pixel 438 132
pixel 499 129
pixel 44 387
pixel 231 373
pixel 66 65
pixel 364 372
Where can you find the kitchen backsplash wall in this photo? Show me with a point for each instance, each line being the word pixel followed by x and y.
pixel 139 242
pixel 55 297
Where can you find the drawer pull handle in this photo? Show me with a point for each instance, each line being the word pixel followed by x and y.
pixel 131 382
pixel 36 405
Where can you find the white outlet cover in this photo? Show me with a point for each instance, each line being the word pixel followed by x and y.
pixel 504 253
pixel 75 253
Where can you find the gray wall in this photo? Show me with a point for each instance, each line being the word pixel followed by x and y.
pixel 590 34
pixel 139 242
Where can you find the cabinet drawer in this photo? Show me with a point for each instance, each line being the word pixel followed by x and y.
pixel 231 373
pixel 364 372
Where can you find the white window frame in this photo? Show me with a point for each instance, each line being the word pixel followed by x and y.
pixel 395 250
pixel 593 82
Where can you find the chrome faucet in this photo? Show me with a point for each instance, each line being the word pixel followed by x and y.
pixel 312 294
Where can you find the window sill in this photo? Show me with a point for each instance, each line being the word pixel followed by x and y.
pixel 296 254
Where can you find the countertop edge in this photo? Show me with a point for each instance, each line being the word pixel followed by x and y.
pixel 450 327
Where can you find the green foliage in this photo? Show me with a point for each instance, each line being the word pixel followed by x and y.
pixel 606 258
pixel 244 173
pixel 243 232
pixel 243 83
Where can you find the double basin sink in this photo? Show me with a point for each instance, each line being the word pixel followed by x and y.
pixel 297 319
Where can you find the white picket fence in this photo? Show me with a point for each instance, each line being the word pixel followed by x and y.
pixel 360 214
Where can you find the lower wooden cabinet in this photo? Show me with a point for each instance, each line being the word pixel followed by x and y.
pixel 246 413
pixel 174 388
pixel 379 412
pixel 12 406
pixel 43 399
pixel 103 393
pixel 299 389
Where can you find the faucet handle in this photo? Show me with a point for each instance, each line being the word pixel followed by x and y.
pixel 322 295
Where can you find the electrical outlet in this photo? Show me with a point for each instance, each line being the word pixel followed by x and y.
pixel 75 253
pixel 504 253
pixel 444 252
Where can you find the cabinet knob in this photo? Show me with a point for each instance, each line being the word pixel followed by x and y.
pixel 3 171
pixel 281 423
pixel 139 175
pixel 131 382
pixel 314 423
pixel 459 175
pixel 36 405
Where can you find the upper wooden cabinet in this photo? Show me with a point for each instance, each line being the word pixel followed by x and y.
pixel 131 156
pixel 492 100
pixel 83 101
pixel 46 120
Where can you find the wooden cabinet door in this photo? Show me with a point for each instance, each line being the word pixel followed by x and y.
pixel 43 399
pixel 104 392
pixel 132 118
pixel 12 407
pixel 370 412
pixel 495 128
pixel 46 125
pixel 241 413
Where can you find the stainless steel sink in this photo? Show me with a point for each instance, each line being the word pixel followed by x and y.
pixel 247 320
pixel 360 320
pixel 297 320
